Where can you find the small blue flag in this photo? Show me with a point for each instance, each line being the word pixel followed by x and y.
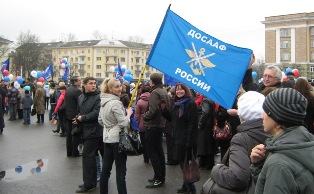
pixel 47 74
pixel 119 72
pixel 202 62
pixel 66 74
pixel 5 65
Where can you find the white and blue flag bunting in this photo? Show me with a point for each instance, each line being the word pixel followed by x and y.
pixel 207 65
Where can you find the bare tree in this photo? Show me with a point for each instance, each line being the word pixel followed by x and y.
pixel 5 46
pixel 28 54
pixel 71 37
pixel 259 67
pixel 98 36
pixel 136 38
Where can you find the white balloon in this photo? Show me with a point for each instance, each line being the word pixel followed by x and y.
pixel 34 73
pixel 10 76
pixel 16 85
pixel 62 72
pixel 62 65
pixel 123 66
pixel 112 69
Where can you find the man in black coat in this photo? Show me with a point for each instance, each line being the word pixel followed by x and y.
pixel 71 100
pixel 91 132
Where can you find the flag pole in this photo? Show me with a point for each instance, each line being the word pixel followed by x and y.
pixel 137 85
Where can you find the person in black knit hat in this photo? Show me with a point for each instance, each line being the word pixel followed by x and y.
pixel 287 157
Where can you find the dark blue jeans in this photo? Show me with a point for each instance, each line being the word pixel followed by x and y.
pixel 26 115
pixel 155 151
pixel 111 155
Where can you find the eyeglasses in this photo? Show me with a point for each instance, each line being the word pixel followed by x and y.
pixel 268 76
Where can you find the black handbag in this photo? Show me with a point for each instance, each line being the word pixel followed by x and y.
pixel 76 131
pixel 129 144
pixel 33 112
pixel 191 170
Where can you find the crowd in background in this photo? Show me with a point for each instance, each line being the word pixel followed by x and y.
pixel 92 116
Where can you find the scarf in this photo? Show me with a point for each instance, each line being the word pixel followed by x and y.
pixel 181 104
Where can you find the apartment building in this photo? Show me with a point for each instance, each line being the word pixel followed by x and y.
pixel 97 57
pixel 289 42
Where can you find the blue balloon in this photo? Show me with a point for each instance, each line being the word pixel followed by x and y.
pixel 38 169
pixel 254 74
pixel 18 169
pixel 116 68
pixel 288 70
pixel 39 74
pixel 128 72
pixel 123 69
pixel 66 65
pixel 128 77
pixel 6 79
pixel 20 80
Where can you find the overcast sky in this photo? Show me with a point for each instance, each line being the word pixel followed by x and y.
pixel 235 22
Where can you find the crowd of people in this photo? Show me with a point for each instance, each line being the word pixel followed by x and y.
pixel 271 125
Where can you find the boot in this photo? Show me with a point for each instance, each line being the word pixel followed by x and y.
pixel 98 164
pixel 57 130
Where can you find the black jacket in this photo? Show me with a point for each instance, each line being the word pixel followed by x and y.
pixel 71 100
pixel 89 107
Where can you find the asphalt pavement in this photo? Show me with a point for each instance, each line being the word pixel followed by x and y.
pixel 33 160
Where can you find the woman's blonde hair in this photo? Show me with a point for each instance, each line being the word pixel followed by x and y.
pixel 107 84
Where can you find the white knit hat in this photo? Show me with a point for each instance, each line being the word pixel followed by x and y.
pixel 250 105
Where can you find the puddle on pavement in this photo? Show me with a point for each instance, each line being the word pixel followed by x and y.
pixel 24 171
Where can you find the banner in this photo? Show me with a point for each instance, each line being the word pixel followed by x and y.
pixel 202 62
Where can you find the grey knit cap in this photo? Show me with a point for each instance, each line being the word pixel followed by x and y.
pixel 286 106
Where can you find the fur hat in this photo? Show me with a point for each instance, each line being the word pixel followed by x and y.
pixel 286 106
pixel 250 105
pixel 39 84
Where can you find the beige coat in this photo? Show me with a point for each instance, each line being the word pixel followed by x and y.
pixel 39 100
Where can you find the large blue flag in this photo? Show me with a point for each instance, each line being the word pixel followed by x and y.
pixel 47 74
pixel 204 63
pixel 5 65
pixel 168 80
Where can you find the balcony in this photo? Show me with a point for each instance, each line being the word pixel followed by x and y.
pixel 81 62
pixel 81 70
pixel 81 54
pixel 111 54
pixel 111 63
pixel 137 71
pixel 137 56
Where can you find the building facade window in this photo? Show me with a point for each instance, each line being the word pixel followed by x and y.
pixel 98 58
pixel 312 69
pixel 312 56
pixel 98 74
pixel 312 31
pixel 122 59
pixel 285 44
pixel 98 66
pixel 123 52
pixel 88 58
pixel 285 56
pixel 98 51
pixel 285 32
pixel 312 43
